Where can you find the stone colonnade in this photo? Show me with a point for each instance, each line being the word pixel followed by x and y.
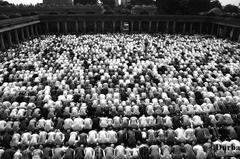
pixel 16 35
pixel 13 35
pixel 151 26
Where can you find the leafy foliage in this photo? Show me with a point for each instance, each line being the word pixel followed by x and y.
pixel 231 8
pixel 4 3
pixel 216 4
pixel 84 2
pixel 110 3
pixel 141 2
pixel 196 6
pixel 186 6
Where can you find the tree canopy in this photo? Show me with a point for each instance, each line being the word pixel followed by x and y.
pixel 231 8
pixel 141 2
pixel 110 3
pixel 84 2
pixel 216 4
pixel 4 3
pixel 186 6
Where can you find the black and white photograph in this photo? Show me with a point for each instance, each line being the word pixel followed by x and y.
pixel 119 79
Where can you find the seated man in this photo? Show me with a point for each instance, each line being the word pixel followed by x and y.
pixel 180 132
pixel 73 138
pixel 155 152
pixel 34 139
pixel 48 125
pixel 92 137
pixel 89 153
pixel 59 137
pixel 51 138
pixel 198 149
pixel 15 140
pixel 117 122
pixel 120 151
pixel 143 121
pixel 144 151
pixel 112 136
pixel 197 121
pixel 88 123
pixel 102 136
pixel 103 122
pixel 190 135
pixel 3 124
pixel 78 124
pixel 25 138
pixel 68 123
pixel 109 152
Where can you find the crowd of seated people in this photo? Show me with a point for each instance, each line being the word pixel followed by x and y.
pixel 120 96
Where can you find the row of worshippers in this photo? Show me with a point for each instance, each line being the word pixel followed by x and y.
pixel 117 122
pixel 217 149
pixel 22 110
pixel 129 137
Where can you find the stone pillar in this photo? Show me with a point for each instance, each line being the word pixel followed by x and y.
pixel 16 36
pixel 132 22
pixel 167 27
pixel 157 26
pixel 212 28
pixel 2 44
pixel 65 27
pixel 47 27
pixel 76 25
pixel 114 26
pixel 36 29
pixel 32 32
pixel 9 36
pixel 95 26
pixel 231 33
pixel 58 27
pixel 174 27
pixel 121 26
pixel 200 28
pixel 41 29
pixel 22 34
pixel 218 30
pixel 225 32
pixel 139 26
pixel 84 26
pixel 191 27
pixel 184 28
pixel 27 30
pixel 103 26
pixel 149 26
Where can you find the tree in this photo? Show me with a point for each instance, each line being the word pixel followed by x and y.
pixel 141 2
pixel 4 3
pixel 197 6
pixel 216 4
pixel 84 2
pixel 183 7
pixel 173 6
pixel 231 8
pixel 168 6
pixel 110 3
